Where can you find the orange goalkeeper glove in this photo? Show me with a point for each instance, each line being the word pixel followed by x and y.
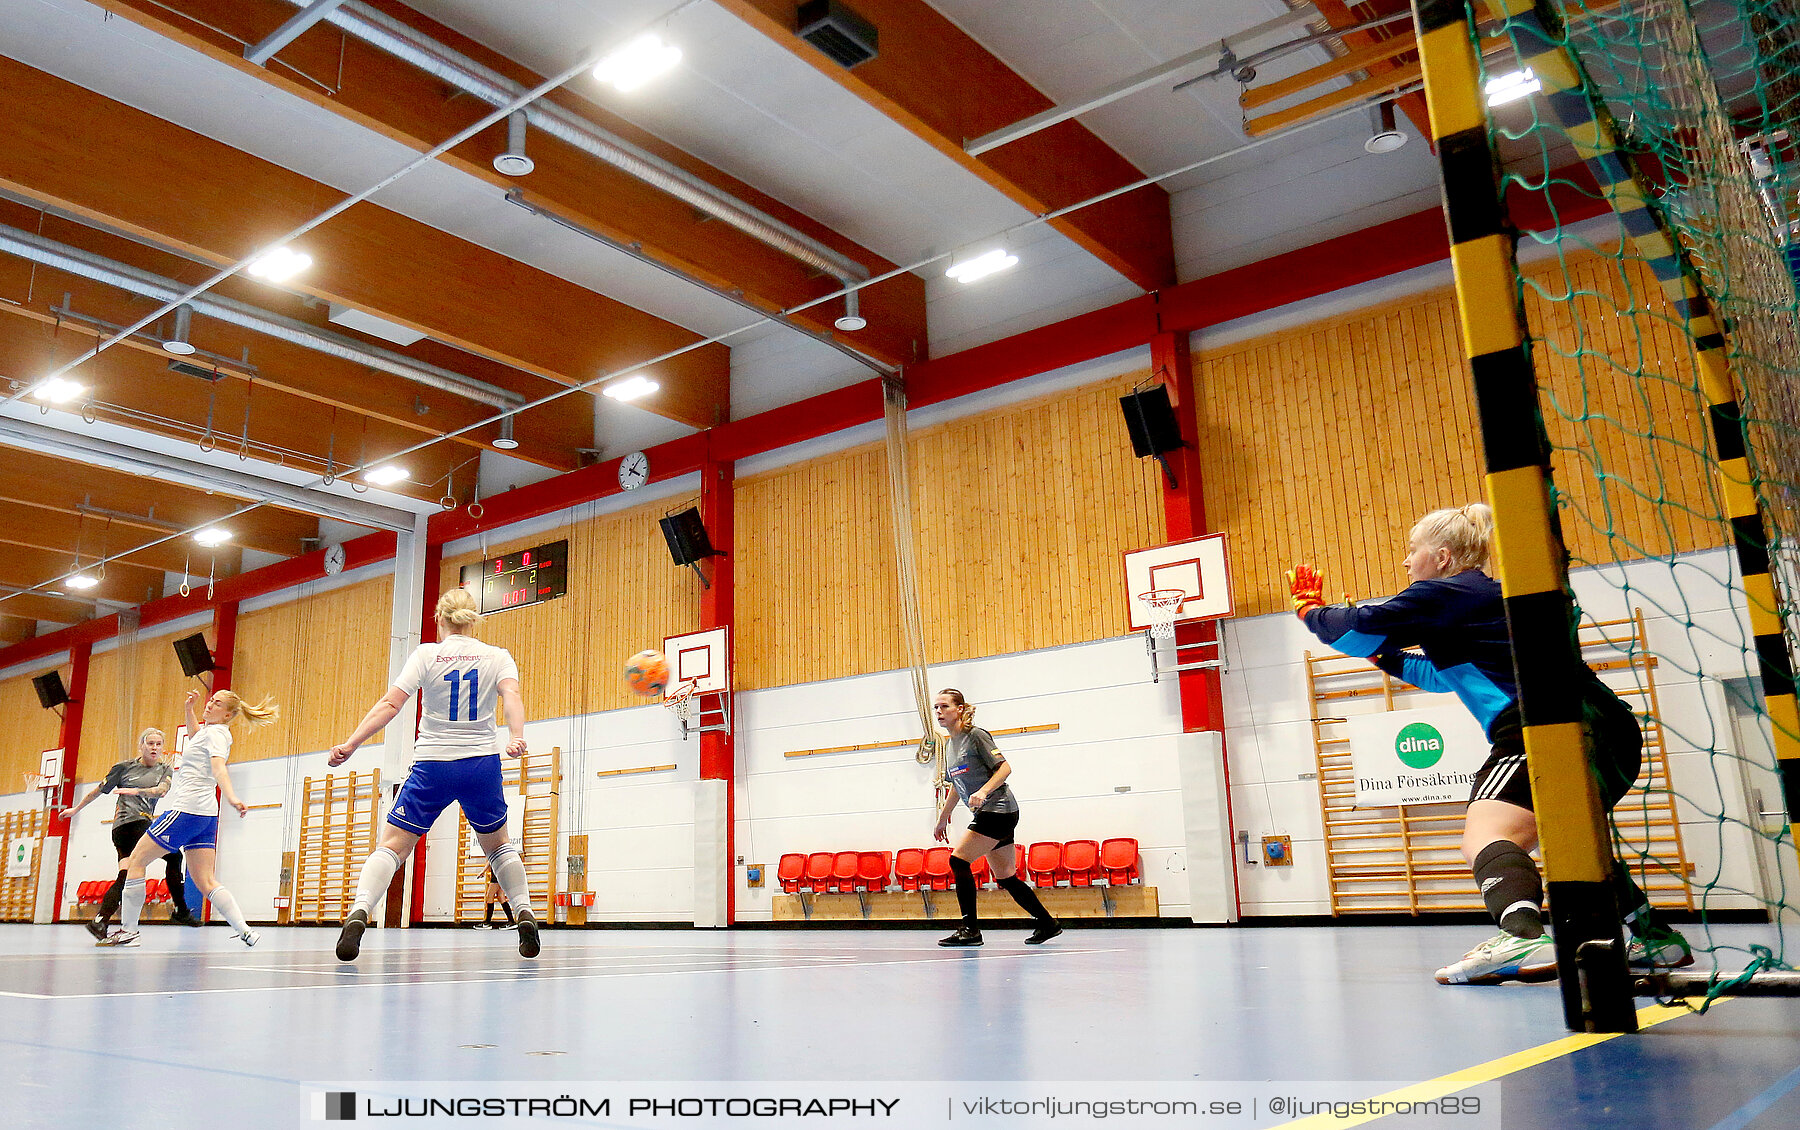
pixel 1308 589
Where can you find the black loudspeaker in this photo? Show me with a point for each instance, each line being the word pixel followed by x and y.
pixel 686 536
pixel 50 691
pixel 1151 419
pixel 193 654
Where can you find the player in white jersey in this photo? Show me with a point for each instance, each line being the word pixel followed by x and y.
pixel 460 681
pixel 188 818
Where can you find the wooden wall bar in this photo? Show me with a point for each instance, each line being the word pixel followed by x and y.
pixel 323 657
pixel 30 729
pixel 1327 442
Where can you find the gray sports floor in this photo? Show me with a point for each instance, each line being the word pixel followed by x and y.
pixel 194 1030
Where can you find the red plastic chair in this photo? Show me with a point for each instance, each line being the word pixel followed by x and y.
pixel 872 870
pixel 1081 862
pixel 1019 861
pixel 791 870
pixel 843 870
pixel 1043 863
pixel 156 890
pixel 982 872
pixel 909 868
pixel 937 869
pixel 1119 859
pixel 818 871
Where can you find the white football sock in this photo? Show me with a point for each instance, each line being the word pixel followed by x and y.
pixel 509 870
pixel 131 907
pixel 377 872
pixel 226 905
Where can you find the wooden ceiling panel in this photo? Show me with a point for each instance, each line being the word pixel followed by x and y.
pixel 368 257
pixel 24 567
pixel 943 86
pixel 26 522
pixel 134 387
pixel 381 93
pixel 68 486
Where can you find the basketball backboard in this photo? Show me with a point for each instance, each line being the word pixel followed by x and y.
pixel 1196 566
pixel 701 657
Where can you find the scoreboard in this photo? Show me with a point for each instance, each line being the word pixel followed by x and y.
pixel 519 580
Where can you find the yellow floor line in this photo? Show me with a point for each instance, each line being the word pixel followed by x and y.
pixel 1496 1068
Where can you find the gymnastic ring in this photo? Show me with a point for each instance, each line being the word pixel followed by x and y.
pixel 87 412
pixel 448 502
pixel 476 510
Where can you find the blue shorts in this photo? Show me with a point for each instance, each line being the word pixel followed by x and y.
pixel 179 831
pixel 473 782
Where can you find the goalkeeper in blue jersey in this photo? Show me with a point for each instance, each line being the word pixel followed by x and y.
pixel 1452 612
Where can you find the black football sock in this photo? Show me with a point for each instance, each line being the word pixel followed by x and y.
pixel 1025 897
pixel 965 891
pixel 1511 888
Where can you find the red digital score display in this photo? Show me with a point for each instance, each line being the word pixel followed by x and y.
pixel 518 580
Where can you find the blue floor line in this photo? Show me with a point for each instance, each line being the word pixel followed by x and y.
pixel 1742 1116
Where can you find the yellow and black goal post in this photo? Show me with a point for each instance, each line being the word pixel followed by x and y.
pixel 1544 50
pixel 1532 562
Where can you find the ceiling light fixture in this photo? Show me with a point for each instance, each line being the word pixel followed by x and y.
pixel 1511 87
pixel 58 390
pixel 852 319
pixel 981 266
pixel 634 387
pixel 178 343
pixel 1385 136
pixel 636 63
pixel 386 475
pixel 212 535
pixel 81 582
pixel 279 264
pixel 506 442
pixel 514 162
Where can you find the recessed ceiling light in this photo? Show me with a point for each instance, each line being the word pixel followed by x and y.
pixel 631 388
pixel 58 390
pixel 80 581
pixel 981 266
pixel 279 264
pixel 636 63
pixel 386 475
pixel 212 535
pixel 1511 87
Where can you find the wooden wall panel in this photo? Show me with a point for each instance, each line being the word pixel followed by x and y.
pixel 323 657
pixel 1327 442
pixel 115 713
pixel 30 729
pixel 623 596
pixel 1020 516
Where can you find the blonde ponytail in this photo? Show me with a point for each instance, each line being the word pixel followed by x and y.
pixel 257 714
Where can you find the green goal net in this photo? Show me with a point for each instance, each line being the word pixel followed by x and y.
pixel 1658 143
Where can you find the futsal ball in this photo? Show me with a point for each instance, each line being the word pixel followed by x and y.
pixel 647 673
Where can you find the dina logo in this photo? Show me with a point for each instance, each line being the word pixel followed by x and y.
pixel 1419 745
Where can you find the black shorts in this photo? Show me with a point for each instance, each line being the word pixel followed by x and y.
pixel 997 826
pixel 1606 722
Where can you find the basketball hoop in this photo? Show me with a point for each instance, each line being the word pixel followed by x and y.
pixel 680 702
pixel 39 782
pixel 1163 605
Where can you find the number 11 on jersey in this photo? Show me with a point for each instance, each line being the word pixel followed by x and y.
pixel 473 677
